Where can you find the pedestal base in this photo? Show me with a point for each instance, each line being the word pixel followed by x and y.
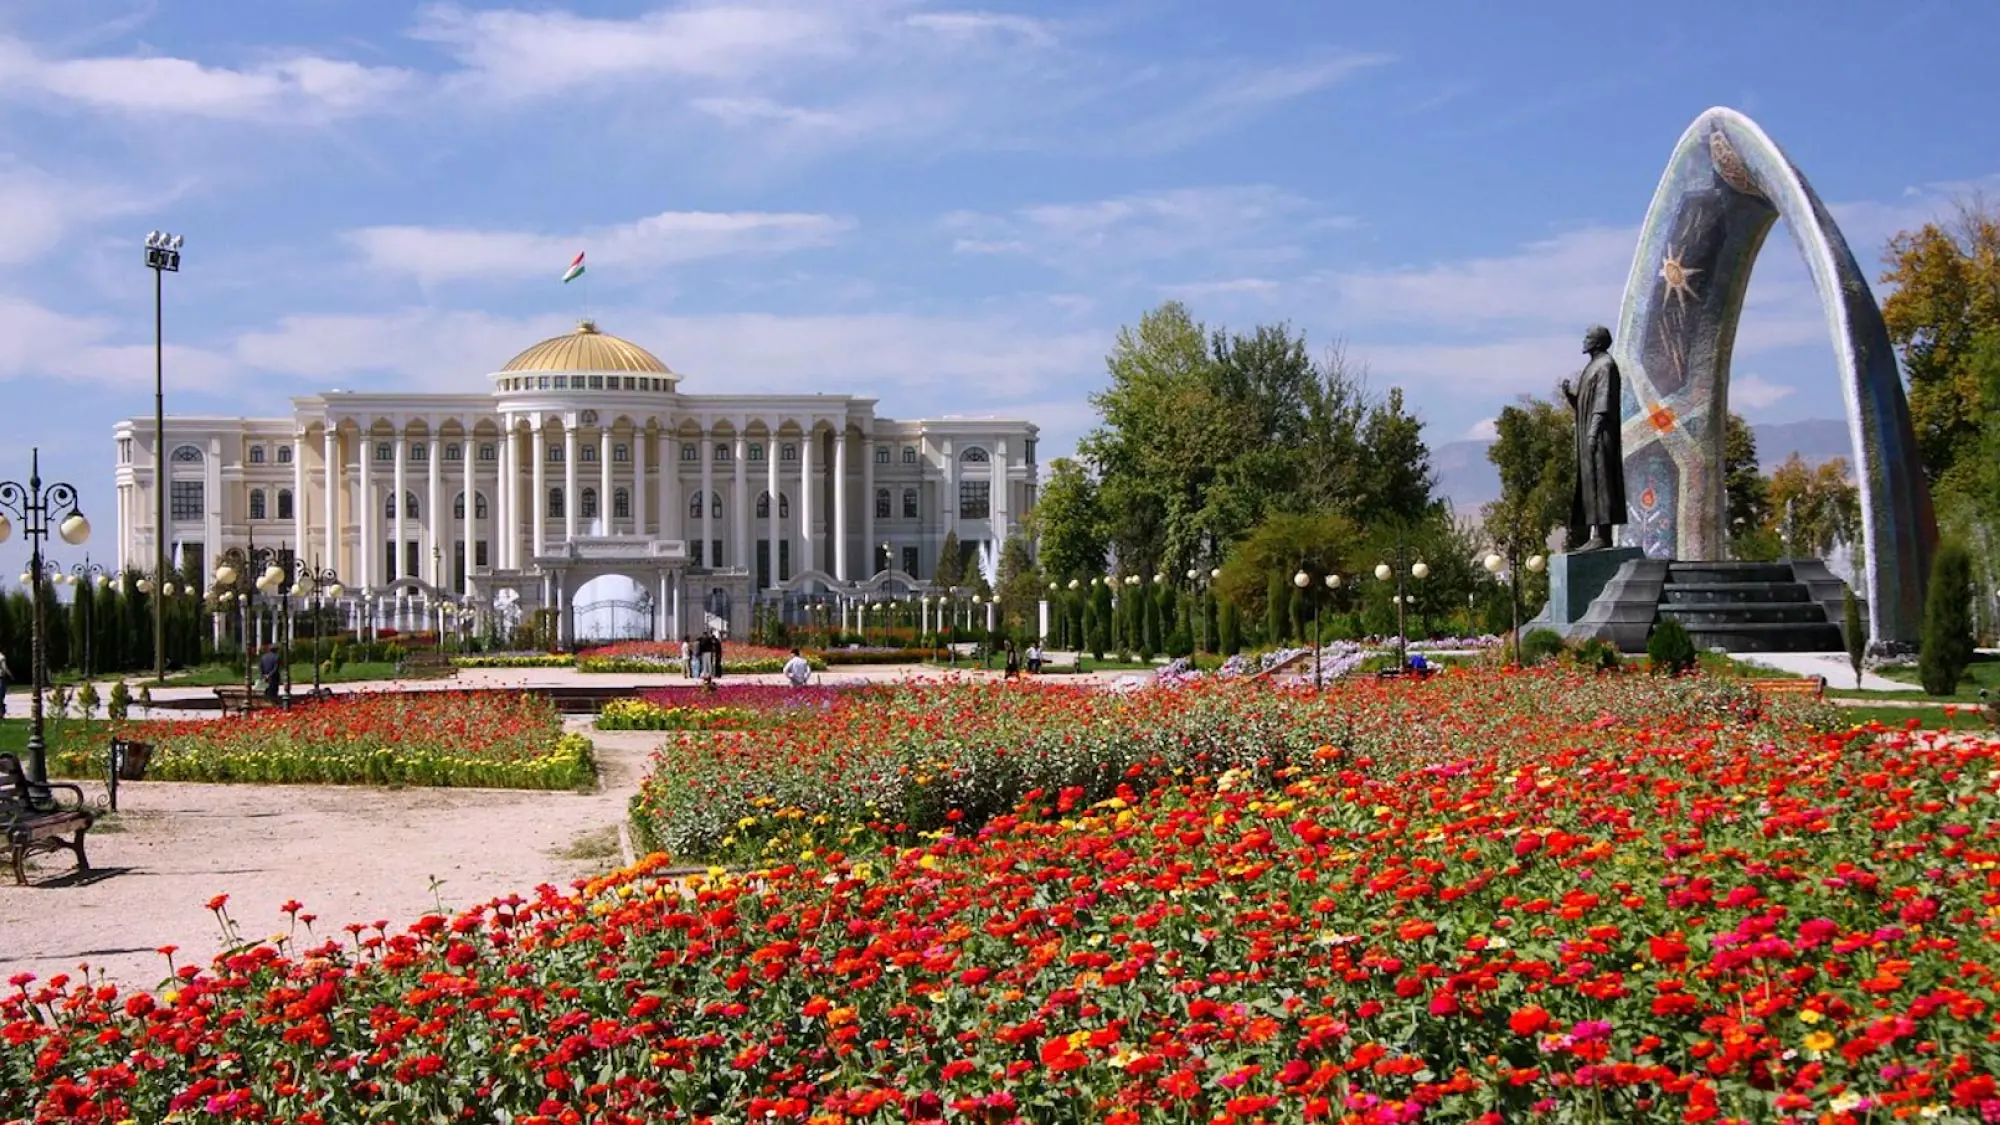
pixel 1576 579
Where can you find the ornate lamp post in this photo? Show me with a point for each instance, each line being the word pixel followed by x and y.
pixel 34 506
pixel 1494 564
pixel 87 573
pixel 240 576
pixel 317 584
pixel 1384 572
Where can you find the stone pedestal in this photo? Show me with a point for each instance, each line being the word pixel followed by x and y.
pixel 1576 579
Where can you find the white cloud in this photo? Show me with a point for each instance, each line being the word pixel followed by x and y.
pixel 432 254
pixel 37 210
pixel 57 350
pixel 297 86
pixel 1242 93
pixel 966 25
pixel 1486 429
pixel 1754 392
pixel 1243 225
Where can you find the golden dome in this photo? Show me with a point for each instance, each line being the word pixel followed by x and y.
pixel 587 349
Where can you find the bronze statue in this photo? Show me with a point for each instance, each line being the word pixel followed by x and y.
pixel 1598 503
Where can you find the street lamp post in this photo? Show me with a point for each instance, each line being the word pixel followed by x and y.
pixel 240 576
pixel 87 573
pixel 1494 563
pixel 317 584
pixel 33 506
pixel 1419 571
pixel 163 256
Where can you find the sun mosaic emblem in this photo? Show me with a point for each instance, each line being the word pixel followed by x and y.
pixel 1661 418
pixel 1679 278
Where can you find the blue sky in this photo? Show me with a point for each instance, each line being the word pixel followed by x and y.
pixel 950 208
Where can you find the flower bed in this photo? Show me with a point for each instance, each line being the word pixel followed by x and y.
pixel 656 656
pixel 640 714
pixel 515 660
pixel 1494 897
pixel 763 698
pixel 867 655
pixel 482 739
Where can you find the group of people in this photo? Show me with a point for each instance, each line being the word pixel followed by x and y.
pixel 701 657
pixel 1015 656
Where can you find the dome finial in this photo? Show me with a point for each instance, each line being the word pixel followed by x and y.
pixel 586 326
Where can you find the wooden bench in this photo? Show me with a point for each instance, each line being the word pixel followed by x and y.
pixel 1814 686
pixel 32 820
pixel 240 700
pixel 1062 667
pixel 426 664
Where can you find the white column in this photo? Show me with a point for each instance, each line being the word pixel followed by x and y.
pixel 808 453
pixel 436 539
pixel 675 621
pixel 707 500
pixel 868 509
pixel 569 477
pixel 366 516
pixel 999 486
pixel 639 499
pixel 743 554
pixel 507 516
pixel 299 523
pixel 604 477
pixel 330 465
pixel 538 502
pixel 949 501
pixel 840 502
pixel 397 559
pixel 212 525
pixel 469 528
pixel 670 486
pixel 777 523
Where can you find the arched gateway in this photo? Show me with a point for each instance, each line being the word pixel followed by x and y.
pixel 1725 185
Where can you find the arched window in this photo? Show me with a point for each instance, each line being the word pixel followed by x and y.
pixel 974 456
pixel 478 506
pixel 487 451
pixel 256 455
pixel 385 451
pixel 621 453
pixel 621 504
pixel 694 506
pixel 555 503
pixel 881 503
pixel 756 451
pixel 715 506
pixel 587 504
pixel 690 451
pixel 409 505
pixel 187 455
pixel 909 503
pixel 881 455
pixel 784 506
pixel 256 503
pixel 420 451
pixel 284 455
pixel 909 455
pixel 764 506
pixel 454 451
pixel 555 451
pixel 722 451
pixel 788 451
pixel 588 454
pixel 284 503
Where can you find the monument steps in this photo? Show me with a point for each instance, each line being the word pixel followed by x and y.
pixel 1747 607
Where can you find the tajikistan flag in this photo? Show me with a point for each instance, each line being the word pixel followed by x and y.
pixel 575 269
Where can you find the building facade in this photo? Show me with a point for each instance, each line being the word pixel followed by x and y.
pixel 582 439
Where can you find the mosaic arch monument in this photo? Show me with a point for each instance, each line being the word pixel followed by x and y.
pixel 1725 185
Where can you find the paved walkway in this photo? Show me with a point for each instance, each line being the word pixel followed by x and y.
pixel 1833 665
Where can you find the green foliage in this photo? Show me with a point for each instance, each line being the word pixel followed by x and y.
pixel 1854 631
pixel 1812 509
pixel 1021 586
pixel 1747 494
pixel 1599 655
pixel 1228 630
pixel 1538 645
pixel 1948 645
pixel 119 704
pixel 1534 451
pixel 87 700
pixel 1068 522
pixel 1321 543
pixel 1669 649
pixel 951 563
pixel 1277 606
pixel 1945 294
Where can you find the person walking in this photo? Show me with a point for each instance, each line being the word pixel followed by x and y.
pixel 271 667
pixel 797 670
pixel 688 670
pixel 1013 662
pixel 715 649
pixel 6 677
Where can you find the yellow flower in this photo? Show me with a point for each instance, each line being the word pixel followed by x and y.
pixel 1809 1017
pixel 1819 1041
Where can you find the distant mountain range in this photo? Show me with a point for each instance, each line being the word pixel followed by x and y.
pixel 1468 480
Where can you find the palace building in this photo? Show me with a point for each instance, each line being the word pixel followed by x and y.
pixel 584 457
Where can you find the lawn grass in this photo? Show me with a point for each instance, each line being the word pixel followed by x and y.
pixel 14 731
pixel 1930 716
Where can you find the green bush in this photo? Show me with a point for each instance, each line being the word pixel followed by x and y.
pixel 1669 649
pixel 86 700
pixel 1855 632
pixel 1948 644
pixel 1599 655
pixel 119 705
pixel 1540 645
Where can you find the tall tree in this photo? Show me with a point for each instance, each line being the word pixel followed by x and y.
pixel 1020 586
pixel 1068 521
pixel 1397 480
pixel 1534 451
pixel 1746 493
pixel 1330 456
pixel 1947 294
pixel 1813 508
pixel 951 563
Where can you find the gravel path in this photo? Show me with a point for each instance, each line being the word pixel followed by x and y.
pixel 348 853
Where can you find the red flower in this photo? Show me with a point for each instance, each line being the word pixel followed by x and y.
pixel 1528 1020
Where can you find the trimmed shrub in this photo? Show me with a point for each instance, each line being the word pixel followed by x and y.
pixel 1948 644
pixel 1598 655
pixel 1541 644
pixel 1669 649
pixel 1855 632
